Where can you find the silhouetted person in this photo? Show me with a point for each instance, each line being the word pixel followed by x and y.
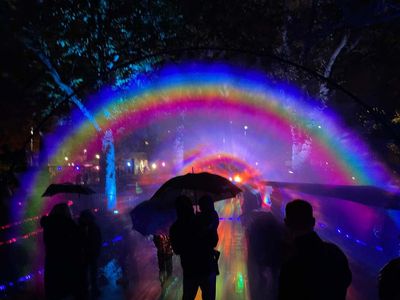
pixel 208 220
pixel 317 270
pixel 388 280
pixel 63 258
pixel 251 199
pixel 164 256
pixel 265 251
pixel 197 257
pixel 91 239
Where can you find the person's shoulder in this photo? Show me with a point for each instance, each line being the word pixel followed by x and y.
pixel 334 250
pixel 174 227
pixel 44 221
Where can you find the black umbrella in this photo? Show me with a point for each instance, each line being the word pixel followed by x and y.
pixel 149 218
pixel 158 213
pixel 69 188
pixel 216 186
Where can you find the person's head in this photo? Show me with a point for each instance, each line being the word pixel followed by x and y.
pixel 61 210
pixel 184 207
pixel 299 217
pixel 206 204
pixel 86 216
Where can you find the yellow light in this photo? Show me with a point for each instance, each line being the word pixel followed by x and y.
pixel 97 156
pixel 154 166
pixel 237 178
pixel 66 158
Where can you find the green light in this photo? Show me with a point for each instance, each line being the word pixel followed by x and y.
pixel 239 283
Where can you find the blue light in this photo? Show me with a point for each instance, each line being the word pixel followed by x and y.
pixel 379 248
pixel 117 239
pixel 129 164
pixel 59 168
pixel 361 242
pixel 110 187
pixel 116 211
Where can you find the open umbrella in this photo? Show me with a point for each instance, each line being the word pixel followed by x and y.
pixel 216 186
pixel 149 218
pixel 158 213
pixel 69 188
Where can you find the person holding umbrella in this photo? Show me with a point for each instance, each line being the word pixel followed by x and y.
pixel 63 258
pixel 197 257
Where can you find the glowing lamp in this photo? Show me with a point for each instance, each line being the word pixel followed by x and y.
pixel 237 178
pixel 129 164
pixel 154 166
pixel 66 158
pixel 163 164
pixel 70 203
pixel 97 156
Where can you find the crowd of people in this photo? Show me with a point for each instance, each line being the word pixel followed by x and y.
pixel 72 250
pixel 303 266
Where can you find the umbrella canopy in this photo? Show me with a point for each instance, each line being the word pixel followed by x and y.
pixel 200 183
pixel 158 213
pixel 57 188
pixel 149 218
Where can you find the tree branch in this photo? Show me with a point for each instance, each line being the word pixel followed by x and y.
pixel 64 87
pixel 324 90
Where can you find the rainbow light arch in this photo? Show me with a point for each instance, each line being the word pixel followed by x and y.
pixel 197 87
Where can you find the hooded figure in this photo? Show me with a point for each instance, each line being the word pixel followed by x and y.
pixel 63 259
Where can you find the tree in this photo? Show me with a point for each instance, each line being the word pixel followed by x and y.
pixel 77 44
